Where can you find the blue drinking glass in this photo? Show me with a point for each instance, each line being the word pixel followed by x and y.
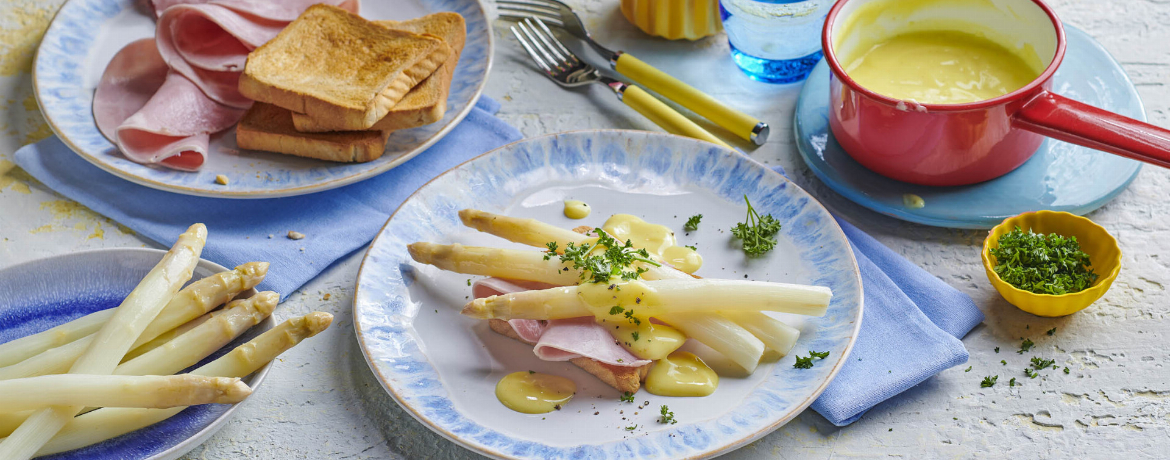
pixel 775 41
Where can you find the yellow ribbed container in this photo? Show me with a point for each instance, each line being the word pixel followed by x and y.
pixel 1102 248
pixel 674 19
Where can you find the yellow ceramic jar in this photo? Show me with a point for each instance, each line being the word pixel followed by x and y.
pixel 674 19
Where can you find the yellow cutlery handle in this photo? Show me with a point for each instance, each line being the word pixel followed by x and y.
pixel 742 124
pixel 664 116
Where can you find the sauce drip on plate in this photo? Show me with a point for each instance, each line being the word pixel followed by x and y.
pixel 681 374
pixel 575 209
pixel 657 239
pixel 534 393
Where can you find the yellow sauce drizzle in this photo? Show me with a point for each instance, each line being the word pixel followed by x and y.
pixel 657 239
pixel 629 323
pixel 575 209
pixel 534 393
pixel 681 374
pixel 940 67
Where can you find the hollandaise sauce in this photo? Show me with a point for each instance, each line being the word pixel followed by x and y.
pixel 534 393
pixel 625 310
pixel 681 374
pixel 940 67
pixel 657 239
pixel 575 209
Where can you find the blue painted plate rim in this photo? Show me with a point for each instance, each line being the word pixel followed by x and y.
pixel 721 450
pixel 254 382
pixel 277 193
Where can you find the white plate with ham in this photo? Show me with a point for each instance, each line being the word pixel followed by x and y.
pixel 443 367
pixel 173 95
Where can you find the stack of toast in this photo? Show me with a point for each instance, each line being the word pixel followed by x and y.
pixel 333 85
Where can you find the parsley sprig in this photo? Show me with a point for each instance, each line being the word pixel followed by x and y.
pixel 757 232
pixel 667 416
pixel 988 381
pixel 627 397
pixel 807 363
pixel 611 263
pixel 1043 263
pixel 693 223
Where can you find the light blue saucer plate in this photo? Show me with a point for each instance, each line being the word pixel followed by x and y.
pixel 86 34
pixel 443 367
pixel 40 294
pixel 1059 177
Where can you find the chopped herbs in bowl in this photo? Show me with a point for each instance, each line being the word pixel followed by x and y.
pixel 1043 263
pixel 1051 263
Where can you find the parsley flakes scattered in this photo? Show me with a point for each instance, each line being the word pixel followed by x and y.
pixel 1051 331
pixel 1025 346
pixel 610 264
pixel 988 381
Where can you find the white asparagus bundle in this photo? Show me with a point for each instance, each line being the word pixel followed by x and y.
pixel 669 297
pixel 146 391
pixel 187 349
pixel 114 339
pixel 103 424
pixel 779 337
pixel 26 347
pixel 194 300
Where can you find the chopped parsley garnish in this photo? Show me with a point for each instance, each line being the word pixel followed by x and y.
pixel 667 416
pixel 633 319
pixel 531 372
pixel 1025 346
pixel 1029 373
pixel 1003 361
pixel 1066 370
pixel 1012 382
pixel 627 397
pixel 1039 363
pixel 631 427
pixel 997 349
pixel 807 363
pixel 693 223
pixel 1052 331
pixel 634 335
pixel 968 369
pixel 1043 263
pixel 616 309
pixel 988 381
pixel 691 247
pixel 600 268
pixel 757 232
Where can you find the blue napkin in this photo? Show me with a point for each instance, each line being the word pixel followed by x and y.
pixel 910 330
pixel 335 223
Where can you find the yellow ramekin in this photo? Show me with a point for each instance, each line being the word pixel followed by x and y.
pixel 674 19
pixel 1102 248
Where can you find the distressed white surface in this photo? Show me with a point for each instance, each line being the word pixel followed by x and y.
pixel 322 402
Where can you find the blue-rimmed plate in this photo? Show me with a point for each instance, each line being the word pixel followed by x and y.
pixel 443 368
pixel 40 294
pixel 86 33
pixel 1059 176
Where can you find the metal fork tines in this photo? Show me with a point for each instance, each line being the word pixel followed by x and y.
pixel 552 12
pixel 560 64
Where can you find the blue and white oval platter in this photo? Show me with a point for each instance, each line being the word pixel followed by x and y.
pixel 86 34
pixel 443 367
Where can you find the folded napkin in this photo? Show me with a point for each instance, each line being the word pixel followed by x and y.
pixel 335 223
pixel 910 330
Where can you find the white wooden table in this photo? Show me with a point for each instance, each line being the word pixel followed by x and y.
pixel 321 400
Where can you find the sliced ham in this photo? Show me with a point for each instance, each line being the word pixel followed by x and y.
pixel 560 339
pixel 175 122
pixel 131 79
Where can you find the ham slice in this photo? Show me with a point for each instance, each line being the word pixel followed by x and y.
pixel 131 79
pixel 560 339
pixel 175 122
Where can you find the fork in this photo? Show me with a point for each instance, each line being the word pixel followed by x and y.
pixel 561 15
pixel 564 68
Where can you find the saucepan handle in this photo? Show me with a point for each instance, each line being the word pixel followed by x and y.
pixel 1062 118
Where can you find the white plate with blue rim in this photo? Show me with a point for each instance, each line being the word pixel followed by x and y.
pixel 40 294
pixel 86 34
pixel 442 367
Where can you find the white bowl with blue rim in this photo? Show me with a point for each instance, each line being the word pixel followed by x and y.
pixel 40 294
pixel 86 34
pixel 442 367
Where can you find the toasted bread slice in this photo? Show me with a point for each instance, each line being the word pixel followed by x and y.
pixel 268 127
pixel 425 103
pixel 622 378
pixel 332 64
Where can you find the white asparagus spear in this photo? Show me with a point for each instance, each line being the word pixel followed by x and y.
pixel 778 336
pixel 166 337
pixel 26 347
pixel 187 349
pixel 501 263
pixel 146 391
pixel 722 335
pixel 531 232
pixel 114 339
pixel 103 424
pixel 194 300
pixel 666 296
